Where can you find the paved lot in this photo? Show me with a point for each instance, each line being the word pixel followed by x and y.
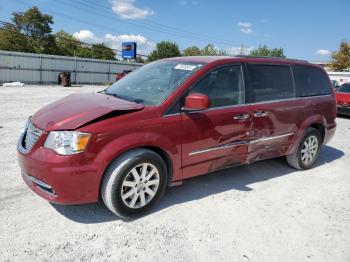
pixel 262 212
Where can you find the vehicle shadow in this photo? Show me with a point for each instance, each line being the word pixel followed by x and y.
pixel 343 116
pixel 236 178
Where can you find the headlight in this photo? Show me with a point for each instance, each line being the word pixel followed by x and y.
pixel 67 142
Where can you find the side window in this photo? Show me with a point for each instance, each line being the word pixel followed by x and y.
pixel 310 81
pixel 271 82
pixel 223 86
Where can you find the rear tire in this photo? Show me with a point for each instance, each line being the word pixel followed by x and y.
pixel 305 156
pixel 134 183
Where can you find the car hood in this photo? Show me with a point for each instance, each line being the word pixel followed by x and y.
pixel 73 111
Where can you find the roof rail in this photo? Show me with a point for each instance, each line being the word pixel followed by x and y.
pixel 272 57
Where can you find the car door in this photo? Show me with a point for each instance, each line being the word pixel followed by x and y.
pixel 277 115
pixel 217 137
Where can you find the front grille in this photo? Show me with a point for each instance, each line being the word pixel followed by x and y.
pixel 31 135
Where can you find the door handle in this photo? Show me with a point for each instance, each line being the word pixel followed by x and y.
pixel 260 113
pixel 243 116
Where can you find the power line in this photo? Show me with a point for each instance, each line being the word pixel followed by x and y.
pixel 97 10
pixel 62 38
pixel 147 24
pixel 153 25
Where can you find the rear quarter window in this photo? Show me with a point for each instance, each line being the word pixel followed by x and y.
pixel 310 81
pixel 270 82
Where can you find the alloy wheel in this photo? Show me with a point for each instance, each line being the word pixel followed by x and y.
pixel 140 185
pixel 309 150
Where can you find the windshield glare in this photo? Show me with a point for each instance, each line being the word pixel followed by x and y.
pixel 344 88
pixel 154 82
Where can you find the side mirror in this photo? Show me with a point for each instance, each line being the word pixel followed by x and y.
pixel 196 102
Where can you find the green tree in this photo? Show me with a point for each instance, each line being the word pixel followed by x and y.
pixel 139 59
pixel 192 51
pixel 84 51
pixel 341 58
pixel 37 27
pixel 211 50
pixel 13 40
pixel 32 22
pixel 265 51
pixel 164 49
pixel 101 51
pixel 66 44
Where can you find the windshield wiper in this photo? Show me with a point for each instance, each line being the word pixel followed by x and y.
pixel 138 101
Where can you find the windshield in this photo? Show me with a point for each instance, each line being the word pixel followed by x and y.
pixel 345 88
pixel 154 82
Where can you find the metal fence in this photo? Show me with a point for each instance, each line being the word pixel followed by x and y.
pixel 44 69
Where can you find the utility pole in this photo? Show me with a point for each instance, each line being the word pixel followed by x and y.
pixel 241 50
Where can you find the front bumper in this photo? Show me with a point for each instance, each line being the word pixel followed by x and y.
pixel 60 179
pixel 342 110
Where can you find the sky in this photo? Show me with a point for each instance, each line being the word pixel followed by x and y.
pixel 305 29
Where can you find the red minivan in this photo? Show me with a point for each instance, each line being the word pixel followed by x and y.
pixel 171 120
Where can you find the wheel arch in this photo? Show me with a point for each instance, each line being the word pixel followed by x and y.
pixel 315 121
pixel 321 128
pixel 166 158
pixel 156 149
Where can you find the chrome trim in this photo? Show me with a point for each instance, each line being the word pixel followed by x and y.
pixel 46 188
pixel 174 114
pixel 239 143
pixel 288 99
pixel 243 116
pixel 39 182
pixel 260 114
pixel 218 147
pixel 262 139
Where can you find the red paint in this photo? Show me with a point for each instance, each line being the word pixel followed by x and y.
pixel 197 101
pixel 75 110
pixel 343 98
pixel 343 103
pixel 76 178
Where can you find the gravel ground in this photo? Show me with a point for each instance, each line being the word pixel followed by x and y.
pixel 265 211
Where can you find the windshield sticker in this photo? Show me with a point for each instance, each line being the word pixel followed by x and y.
pixel 185 67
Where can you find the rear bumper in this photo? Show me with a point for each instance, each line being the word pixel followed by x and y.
pixel 59 179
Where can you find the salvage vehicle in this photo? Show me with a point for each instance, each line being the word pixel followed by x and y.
pixel 343 99
pixel 335 84
pixel 119 76
pixel 174 119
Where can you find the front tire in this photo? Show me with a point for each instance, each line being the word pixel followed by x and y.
pixel 133 183
pixel 305 156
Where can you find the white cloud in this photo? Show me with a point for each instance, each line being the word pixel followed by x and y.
pixel 244 24
pixel 144 46
pixel 85 36
pixel 126 9
pixel 186 2
pixel 323 52
pixel 246 30
pixel 239 50
pixel 245 27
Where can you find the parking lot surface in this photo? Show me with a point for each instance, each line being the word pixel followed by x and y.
pixel 265 211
